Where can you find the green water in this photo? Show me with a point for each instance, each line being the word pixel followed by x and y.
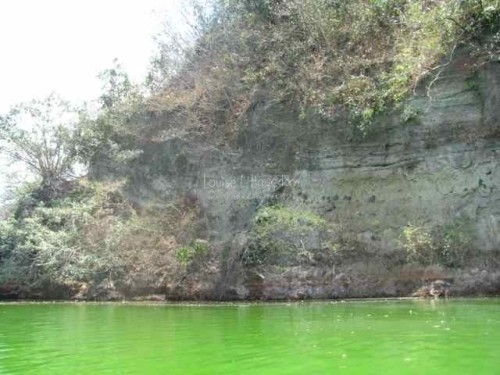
pixel 382 337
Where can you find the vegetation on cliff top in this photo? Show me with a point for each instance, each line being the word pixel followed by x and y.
pixel 343 60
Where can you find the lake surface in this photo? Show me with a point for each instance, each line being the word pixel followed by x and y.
pixel 376 337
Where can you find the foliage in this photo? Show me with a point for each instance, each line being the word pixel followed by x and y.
pixel 47 244
pixel 410 113
pixel 277 235
pixel 449 244
pixel 196 249
pixel 342 60
pixel 278 216
pixel 419 244
pixel 481 20
pixel 456 242
pixel 112 132
pixel 94 233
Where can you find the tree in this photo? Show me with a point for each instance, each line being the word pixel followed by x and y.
pixel 108 131
pixel 41 135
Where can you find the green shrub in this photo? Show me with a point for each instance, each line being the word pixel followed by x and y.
pixel 450 244
pixel 419 245
pixel 456 242
pixel 45 245
pixel 410 114
pixel 196 249
pixel 273 217
pixel 58 241
pixel 276 234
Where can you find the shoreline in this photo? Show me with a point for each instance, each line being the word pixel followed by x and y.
pixel 242 303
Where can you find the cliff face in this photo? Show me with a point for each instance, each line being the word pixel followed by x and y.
pixel 305 209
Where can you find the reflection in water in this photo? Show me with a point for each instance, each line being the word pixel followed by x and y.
pixel 411 337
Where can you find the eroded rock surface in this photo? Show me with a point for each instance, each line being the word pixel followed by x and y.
pixel 435 167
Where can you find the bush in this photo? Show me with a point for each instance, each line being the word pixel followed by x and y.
pixel 419 245
pixel 48 243
pixel 456 242
pixel 94 233
pixel 449 245
pixel 277 236
pixel 287 216
pixel 351 59
pixel 187 254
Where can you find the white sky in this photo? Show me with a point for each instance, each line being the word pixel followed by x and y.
pixel 61 46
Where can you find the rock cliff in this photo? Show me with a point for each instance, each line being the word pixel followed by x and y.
pixel 305 209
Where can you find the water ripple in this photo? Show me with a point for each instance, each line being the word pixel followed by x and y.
pixel 365 338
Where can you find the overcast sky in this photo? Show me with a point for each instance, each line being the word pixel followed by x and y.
pixel 61 46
